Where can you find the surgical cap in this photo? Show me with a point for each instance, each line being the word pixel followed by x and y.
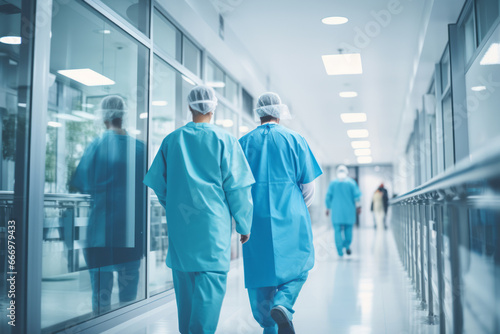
pixel 269 104
pixel 112 107
pixel 342 172
pixel 202 99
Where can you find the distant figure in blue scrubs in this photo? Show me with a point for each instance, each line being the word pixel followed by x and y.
pixel 343 200
pixel 111 171
pixel 202 178
pixel 280 253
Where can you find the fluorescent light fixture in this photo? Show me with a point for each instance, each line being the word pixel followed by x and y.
pixel 21 105
pixel 105 31
pixel 134 131
pixel 159 103
pixel 216 84
pixel 189 81
pixel 143 115
pixel 335 20
pixel 54 124
pixel 353 117
pixel 345 63
pixel 68 117
pixel 87 77
pixel 11 40
pixel 227 123
pixel 219 122
pixel 359 133
pixel 87 105
pixel 362 151
pixel 360 144
pixel 348 94
pixel 84 114
pixel 365 160
pixel 478 88
pixel 244 129
pixel 492 56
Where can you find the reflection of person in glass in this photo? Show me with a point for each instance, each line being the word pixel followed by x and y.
pixel 111 171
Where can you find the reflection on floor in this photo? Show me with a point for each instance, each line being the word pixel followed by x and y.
pixel 366 293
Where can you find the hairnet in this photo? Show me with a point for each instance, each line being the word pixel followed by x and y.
pixel 342 172
pixel 112 107
pixel 202 99
pixel 269 104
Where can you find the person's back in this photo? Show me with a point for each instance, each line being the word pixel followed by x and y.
pixel 343 200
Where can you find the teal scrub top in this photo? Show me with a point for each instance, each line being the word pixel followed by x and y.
pixel 280 248
pixel 202 178
pixel 341 200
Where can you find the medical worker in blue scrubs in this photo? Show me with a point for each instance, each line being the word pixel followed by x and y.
pixel 202 178
pixel 280 253
pixel 343 199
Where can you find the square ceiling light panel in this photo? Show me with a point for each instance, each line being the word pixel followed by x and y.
pixel 353 117
pixel 87 77
pixel 345 63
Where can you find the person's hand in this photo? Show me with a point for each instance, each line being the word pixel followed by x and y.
pixel 244 238
pixel 358 210
pixel 327 213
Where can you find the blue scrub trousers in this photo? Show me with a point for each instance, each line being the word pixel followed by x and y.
pixel 342 240
pixel 199 298
pixel 262 300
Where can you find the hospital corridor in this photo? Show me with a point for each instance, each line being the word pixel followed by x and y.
pixel 249 166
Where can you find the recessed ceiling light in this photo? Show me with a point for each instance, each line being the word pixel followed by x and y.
pixel 143 115
pixel 492 56
pixel 87 77
pixel 345 63
pixel 478 88
pixel 359 133
pixel 348 94
pixel 12 40
pixel 360 144
pixel 362 151
pixel 134 131
pixel 54 124
pixel 335 20
pixel 219 121
pixel 216 84
pixel 227 123
pixel 87 105
pixel 365 160
pixel 159 103
pixel 244 129
pixel 21 105
pixel 353 117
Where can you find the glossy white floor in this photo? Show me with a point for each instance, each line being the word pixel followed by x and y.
pixel 366 293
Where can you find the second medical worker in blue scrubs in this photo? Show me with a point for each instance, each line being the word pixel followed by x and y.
pixel 280 253
pixel 202 178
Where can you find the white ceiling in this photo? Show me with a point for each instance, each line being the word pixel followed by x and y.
pixel 287 39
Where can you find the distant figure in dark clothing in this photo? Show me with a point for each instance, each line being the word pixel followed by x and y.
pixel 380 204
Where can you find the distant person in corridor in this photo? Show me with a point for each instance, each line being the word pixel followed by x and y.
pixel 380 205
pixel 280 253
pixel 343 203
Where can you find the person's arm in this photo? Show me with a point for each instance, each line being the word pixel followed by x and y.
pixel 357 197
pixel 156 177
pixel 237 184
pixel 308 190
pixel 328 199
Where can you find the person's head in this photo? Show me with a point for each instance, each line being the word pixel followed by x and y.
pixel 113 110
pixel 269 108
pixel 342 172
pixel 381 186
pixel 202 101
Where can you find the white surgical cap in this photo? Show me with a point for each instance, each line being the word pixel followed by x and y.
pixel 342 172
pixel 202 99
pixel 112 107
pixel 269 104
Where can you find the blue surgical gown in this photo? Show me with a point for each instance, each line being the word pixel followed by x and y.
pixel 202 178
pixel 341 200
pixel 280 248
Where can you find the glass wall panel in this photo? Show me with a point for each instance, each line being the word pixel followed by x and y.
pixel 469 36
pixel 94 223
pixel 449 147
pixel 445 69
pixel 15 86
pixel 162 123
pixel 231 91
pixel 483 96
pixel 136 12
pixel 486 12
pixel 191 56
pixel 166 36
pixel 247 102
pixel 215 77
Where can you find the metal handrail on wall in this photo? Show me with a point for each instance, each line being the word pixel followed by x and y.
pixel 445 230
